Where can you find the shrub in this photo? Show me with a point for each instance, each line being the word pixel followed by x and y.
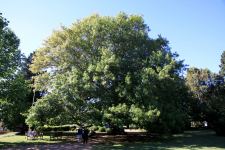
pixel 215 112
pixel 57 128
pixel 117 130
pixel 109 130
pixel 94 128
pixel 102 129
pixel 133 126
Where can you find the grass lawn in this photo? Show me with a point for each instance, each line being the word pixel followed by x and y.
pixel 194 140
pixel 12 140
pixel 200 139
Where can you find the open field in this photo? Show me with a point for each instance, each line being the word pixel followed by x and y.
pixel 200 139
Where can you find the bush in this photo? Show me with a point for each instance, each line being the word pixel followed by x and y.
pixel 215 111
pixel 115 130
pixel 94 128
pixel 118 130
pixel 73 128
pixel 220 130
pixel 217 122
pixel 102 129
pixel 57 128
pixel 133 126
pixel 109 130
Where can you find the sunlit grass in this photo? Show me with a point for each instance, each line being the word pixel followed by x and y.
pixel 22 139
pixel 203 139
pixel 13 140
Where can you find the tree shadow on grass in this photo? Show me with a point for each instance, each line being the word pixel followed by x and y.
pixel 203 139
pixel 198 139
pixel 52 146
pixel 62 144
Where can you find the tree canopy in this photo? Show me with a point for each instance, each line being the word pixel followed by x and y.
pixel 208 100
pixel 108 69
pixel 9 52
pixel 14 88
pixel 222 65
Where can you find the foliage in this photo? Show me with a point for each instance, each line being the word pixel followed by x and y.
pixel 94 128
pixel 198 81
pixel 9 52
pixel 14 89
pixel 57 128
pixel 101 68
pixel 13 102
pixel 195 80
pixel 208 103
pixel 222 65
pixel 215 111
pixel 102 129
pixel 118 115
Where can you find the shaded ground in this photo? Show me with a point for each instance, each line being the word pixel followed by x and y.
pixel 205 139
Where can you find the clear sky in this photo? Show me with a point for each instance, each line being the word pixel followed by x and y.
pixel 195 28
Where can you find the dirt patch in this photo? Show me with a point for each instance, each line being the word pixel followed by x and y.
pixel 3 132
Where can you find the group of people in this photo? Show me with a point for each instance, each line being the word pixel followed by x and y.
pixel 31 134
pixel 82 133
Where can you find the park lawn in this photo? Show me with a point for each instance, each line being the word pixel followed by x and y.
pixel 199 139
pixel 194 140
pixel 12 140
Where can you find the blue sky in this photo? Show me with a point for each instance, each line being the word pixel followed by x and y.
pixel 195 28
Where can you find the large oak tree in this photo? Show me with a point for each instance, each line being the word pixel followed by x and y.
pixel 109 69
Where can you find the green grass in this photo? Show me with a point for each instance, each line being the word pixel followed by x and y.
pixel 194 140
pixel 12 140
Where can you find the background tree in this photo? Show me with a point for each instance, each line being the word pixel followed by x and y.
pixel 198 81
pixel 9 52
pixel 208 100
pixel 13 102
pixel 28 75
pixel 222 65
pixel 215 111
pixel 13 86
pixel 101 65
pixel 215 94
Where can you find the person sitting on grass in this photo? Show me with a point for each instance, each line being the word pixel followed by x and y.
pixel 31 134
